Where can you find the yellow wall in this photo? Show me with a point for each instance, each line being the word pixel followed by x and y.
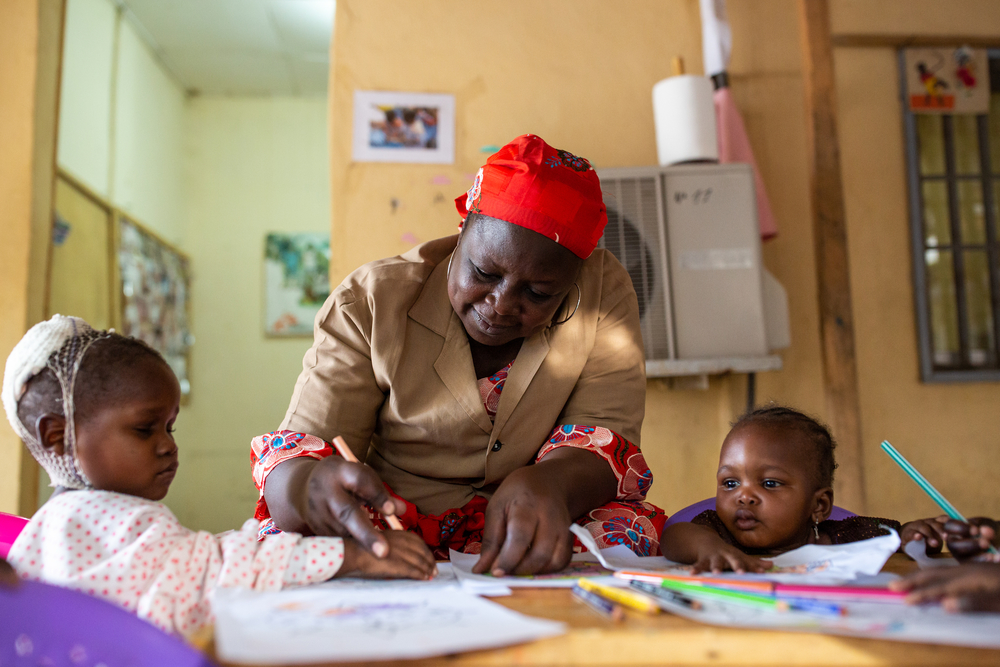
pixel 253 165
pixel 579 73
pixel 949 431
pixel 30 33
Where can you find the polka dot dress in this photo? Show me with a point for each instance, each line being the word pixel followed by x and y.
pixel 136 554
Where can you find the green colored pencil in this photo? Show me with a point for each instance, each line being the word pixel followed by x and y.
pixel 927 487
pixel 724 595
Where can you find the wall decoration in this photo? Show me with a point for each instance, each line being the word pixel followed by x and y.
pixel 296 281
pixel 948 80
pixel 404 127
pixel 155 293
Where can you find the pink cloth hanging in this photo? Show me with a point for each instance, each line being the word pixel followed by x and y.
pixel 734 146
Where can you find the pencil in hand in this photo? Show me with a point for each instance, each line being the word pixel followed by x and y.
pixel 346 453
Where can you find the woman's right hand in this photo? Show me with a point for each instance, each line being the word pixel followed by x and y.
pixel 331 501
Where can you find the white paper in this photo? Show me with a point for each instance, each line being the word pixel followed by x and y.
pixel 582 565
pixel 619 557
pixel 917 550
pixel 329 624
pixel 928 624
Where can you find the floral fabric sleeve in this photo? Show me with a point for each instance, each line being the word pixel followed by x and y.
pixel 270 449
pixel 624 458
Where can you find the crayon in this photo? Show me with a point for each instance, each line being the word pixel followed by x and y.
pixel 816 607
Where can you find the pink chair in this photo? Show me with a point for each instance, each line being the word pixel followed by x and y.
pixel 10 527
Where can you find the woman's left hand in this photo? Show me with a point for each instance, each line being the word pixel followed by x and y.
pixel 527 527
pixel 527 521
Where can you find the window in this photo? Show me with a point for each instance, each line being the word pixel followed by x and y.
pixel 954 174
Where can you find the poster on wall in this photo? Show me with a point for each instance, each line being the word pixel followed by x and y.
pixel 156 287
pixel 296 281
pixel 948 80
pixel 403 127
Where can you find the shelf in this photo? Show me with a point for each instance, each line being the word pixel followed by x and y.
pixel 662 368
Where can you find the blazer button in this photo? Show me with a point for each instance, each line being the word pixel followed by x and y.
pixel 496 446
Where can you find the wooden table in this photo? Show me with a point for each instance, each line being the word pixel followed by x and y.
pixel 666 639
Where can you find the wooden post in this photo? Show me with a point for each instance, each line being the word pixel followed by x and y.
pixel 832 268
pixel 30 57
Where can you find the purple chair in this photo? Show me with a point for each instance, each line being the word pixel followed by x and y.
pixel 10 527
pixel 691 511
pixel 42 624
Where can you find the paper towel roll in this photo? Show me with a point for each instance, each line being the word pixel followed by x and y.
pixel 684 114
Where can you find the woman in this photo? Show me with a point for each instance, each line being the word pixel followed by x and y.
pixel 478 376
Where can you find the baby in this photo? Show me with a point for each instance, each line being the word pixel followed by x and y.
pixel 97 410
pixel 774 494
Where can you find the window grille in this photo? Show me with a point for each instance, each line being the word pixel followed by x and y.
pixel 954 176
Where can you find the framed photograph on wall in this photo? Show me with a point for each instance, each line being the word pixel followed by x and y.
pixel 296 281
pixel 155 293
pixel 404 127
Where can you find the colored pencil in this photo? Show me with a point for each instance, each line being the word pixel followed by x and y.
pixel 624 597
pixel 722 582
pixel 605 608
pixel 661 593
pixel 927 487
pixel 346 453
pixel 725 595
pixel 838 593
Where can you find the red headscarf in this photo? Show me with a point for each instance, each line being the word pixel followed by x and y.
pixel 530 184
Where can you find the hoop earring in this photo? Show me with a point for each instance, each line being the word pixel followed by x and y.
pixel 447 272
pixel 579 295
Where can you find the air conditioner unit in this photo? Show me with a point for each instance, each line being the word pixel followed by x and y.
pixel 689 238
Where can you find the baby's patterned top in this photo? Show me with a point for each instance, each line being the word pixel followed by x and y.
pixel 853 529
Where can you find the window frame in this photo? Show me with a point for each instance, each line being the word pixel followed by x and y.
pixel 988 173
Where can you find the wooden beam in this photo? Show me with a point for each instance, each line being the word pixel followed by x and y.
pixel 30 56
pixel 888 40
pixel 832 267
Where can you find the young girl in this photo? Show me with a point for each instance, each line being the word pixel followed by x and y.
pixel 774 494
pixel 97 411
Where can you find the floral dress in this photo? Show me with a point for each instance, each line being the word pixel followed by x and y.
pixel 627 520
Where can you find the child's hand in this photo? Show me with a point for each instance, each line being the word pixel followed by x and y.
pixel 972 587
pixel 408 558
pixel 931 531
pixel 968 540
pixel 724 557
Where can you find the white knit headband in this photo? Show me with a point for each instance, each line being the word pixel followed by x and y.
pixel 59 345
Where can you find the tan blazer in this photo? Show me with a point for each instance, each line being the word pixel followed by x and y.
pixel 390 370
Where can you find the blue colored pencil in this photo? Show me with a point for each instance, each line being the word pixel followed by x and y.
pixel 605 608
pixel 929 489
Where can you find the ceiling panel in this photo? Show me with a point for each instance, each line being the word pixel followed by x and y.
pixel 240 47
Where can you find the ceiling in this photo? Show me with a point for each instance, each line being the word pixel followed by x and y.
pixel 239 47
